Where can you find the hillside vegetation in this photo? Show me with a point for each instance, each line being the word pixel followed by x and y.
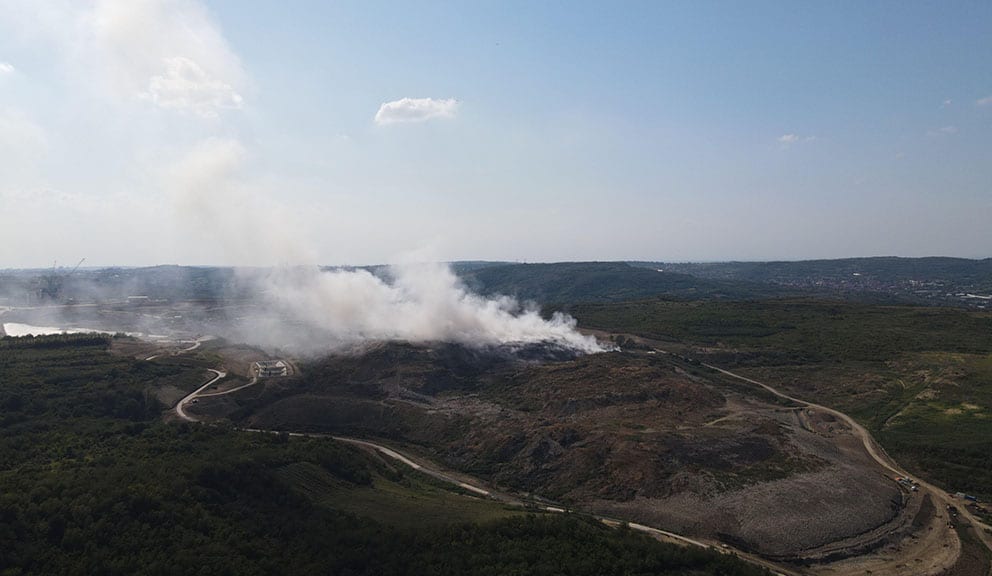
pixel 567 283
pixel 799 328
pixel 93 482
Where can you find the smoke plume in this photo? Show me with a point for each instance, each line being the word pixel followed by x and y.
pixel 416 303
pixel 310 310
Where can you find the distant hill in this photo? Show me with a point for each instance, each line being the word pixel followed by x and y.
pixel 573 282
pixel 935 280
pixel 463 266
pixel 27 287
pixel 883 268
pixel 943 281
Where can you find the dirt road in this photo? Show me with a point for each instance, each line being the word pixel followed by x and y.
pixel 196 344
pixel 252 382
pixel 182 403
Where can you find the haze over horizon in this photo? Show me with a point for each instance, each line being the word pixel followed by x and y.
pixel 228 133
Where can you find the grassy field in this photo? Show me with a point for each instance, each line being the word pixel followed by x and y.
pixel 919 378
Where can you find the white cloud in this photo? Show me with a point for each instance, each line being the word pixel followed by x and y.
pixel 946 103
pixel 415 110
pixel 185 86
pixel 6 68
pixel 168 52
pixel 789 139
pixel 987 101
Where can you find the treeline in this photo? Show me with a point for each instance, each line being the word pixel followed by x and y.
pixel 55 341
pixel 799 330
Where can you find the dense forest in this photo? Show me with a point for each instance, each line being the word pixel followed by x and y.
pixel 93 481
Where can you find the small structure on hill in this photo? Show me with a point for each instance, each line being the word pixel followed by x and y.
pixel 272 368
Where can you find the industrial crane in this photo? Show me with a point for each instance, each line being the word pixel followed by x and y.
pixel 52 288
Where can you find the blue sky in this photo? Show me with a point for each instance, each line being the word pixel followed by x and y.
pixel 164 131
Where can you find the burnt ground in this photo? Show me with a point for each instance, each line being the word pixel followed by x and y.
pixel 644 437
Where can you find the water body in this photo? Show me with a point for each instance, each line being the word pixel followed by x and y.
pixel 18 329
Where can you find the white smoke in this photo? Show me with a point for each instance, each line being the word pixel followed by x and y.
pixel 421 303
pixel 311 310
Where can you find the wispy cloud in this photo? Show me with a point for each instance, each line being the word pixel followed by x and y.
pixel 6 68
pixel 168 52
pixel 987 101
pixel 185 86
pixel 789 139
pixel 415 110
pixel 946 103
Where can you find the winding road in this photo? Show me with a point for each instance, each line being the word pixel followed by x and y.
pixel 870 445
pixel 252 382
pixel 182 403
pixel 196 344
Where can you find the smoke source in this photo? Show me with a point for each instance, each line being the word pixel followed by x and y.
pixel 312 310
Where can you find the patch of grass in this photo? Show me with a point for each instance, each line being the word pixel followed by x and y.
pixel 778 467
pixel 955 449
pixel 405 499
